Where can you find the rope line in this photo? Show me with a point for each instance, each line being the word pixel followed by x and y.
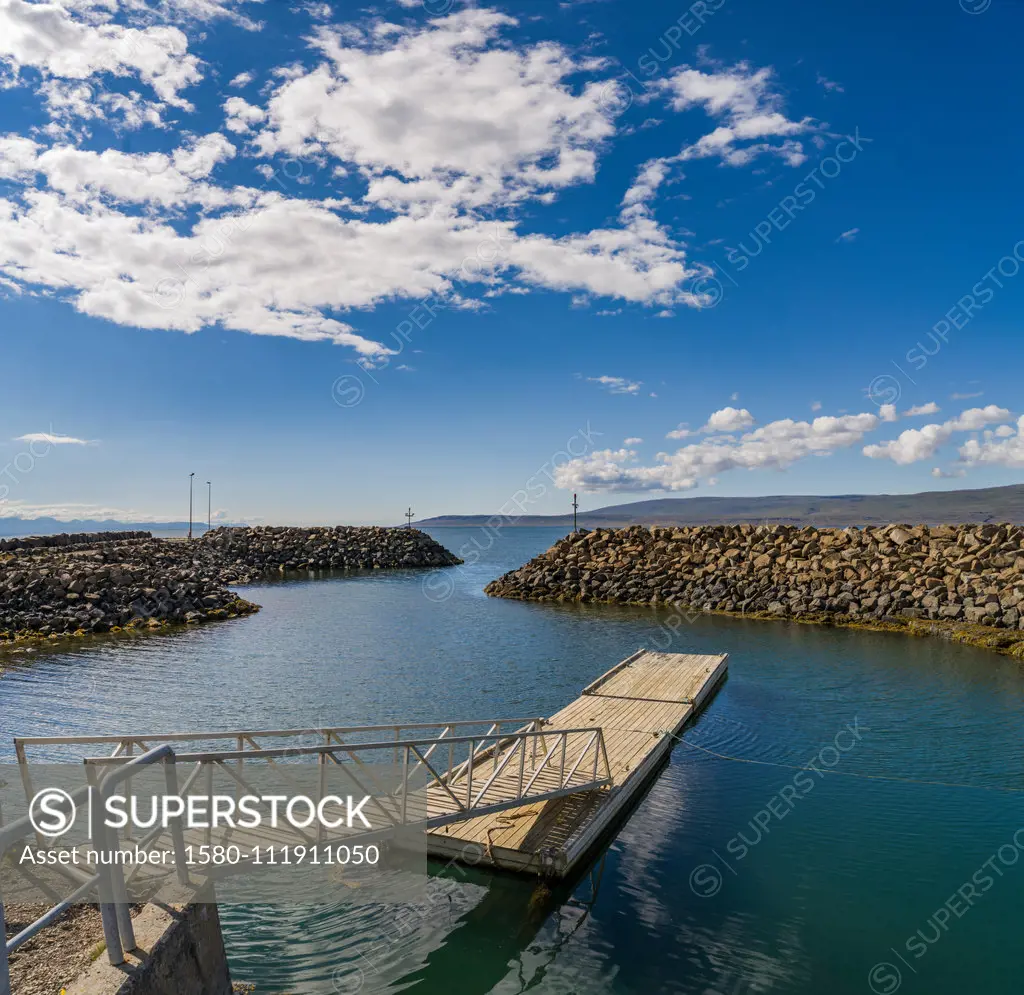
pixel 844 773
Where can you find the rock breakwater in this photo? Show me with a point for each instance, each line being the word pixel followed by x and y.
pixel 245 555
pixel 113 581
pixel 896 575
pixel 67 539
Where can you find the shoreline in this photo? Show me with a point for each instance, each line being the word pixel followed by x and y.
pixel 1002 641
pixel 961 583
pixel 60 588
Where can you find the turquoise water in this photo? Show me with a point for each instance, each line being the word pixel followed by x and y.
pixel 731 878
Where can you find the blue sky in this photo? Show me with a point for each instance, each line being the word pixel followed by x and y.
pixel 340 259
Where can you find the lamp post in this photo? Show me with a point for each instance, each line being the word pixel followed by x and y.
pixel 190 476
pixel 209 506
pixel 575 508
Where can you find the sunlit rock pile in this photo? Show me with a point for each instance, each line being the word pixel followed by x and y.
pixel 963 573
pixel 107 586
pixel 246 554
pixel 67 539
pixel 112 581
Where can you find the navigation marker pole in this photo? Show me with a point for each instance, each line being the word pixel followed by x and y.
pixel 575 508
pixel 190 476
pixel 408 516
pixel 209 506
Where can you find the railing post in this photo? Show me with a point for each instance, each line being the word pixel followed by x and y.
pixel 561 768
pixel 597 754
pixel 26 781
pixel 177 833
pixel 241 762
pixel 321 789
pixel 469 773
pixel 5 972
pixel 522 765
pixel 208 832
pixel 128 752
pixel 105 884
pixel 405 784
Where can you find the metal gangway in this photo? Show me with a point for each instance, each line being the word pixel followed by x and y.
pixel 445 773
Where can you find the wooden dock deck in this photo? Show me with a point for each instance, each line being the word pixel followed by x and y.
pixel 640 705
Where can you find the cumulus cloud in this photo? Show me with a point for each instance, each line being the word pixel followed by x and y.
pixel 1005 447
pixel 76 41
pixel 931 408
pixel 443 128
pixel 918 444
pixel 241 116
pixel 776 445
pixel 632 441
pixel 729 419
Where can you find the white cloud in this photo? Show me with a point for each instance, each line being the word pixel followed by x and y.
pixel 966 396
pixel 816 406
pixel 829 85
pixel 632 441
pixel 241 115
pixel 51 439
pixel 744 99
pixel 776 445
pixel 61 41
pixel 241 80
pixel 849 236
pixel 71 511
pixel 729 419
pixel 918 444
pixel 442 116
pixel 1008 451
pixel 617 385
pixel 931 408
pixel 444 126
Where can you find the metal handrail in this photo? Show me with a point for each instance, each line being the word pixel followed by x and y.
pixel 497 748
pixel 9 835
pixel 500 749
pixel 114 906
pixel 178 737
pixel 108 879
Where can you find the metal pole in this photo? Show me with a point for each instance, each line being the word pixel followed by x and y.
pixel 5 976
pixel 409 515
pixel 209 506
pixel 190 476
pixel 575 507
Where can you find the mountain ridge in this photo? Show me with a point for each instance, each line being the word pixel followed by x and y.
pixel 983 505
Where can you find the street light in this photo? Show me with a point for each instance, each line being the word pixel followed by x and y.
pixel 190 476
pixel 209 506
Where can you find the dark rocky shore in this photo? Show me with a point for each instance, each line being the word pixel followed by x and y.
pixel 965 581
pixel 57 586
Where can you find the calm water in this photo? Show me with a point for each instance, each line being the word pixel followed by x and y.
pixel 853 874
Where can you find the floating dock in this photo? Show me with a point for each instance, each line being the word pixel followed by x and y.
pixel 640 705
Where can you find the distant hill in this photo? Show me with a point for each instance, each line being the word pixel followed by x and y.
pixel 991 504
pixel 54 526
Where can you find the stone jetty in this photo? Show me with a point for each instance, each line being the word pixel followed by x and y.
pixel 896 575
pixel 108 582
